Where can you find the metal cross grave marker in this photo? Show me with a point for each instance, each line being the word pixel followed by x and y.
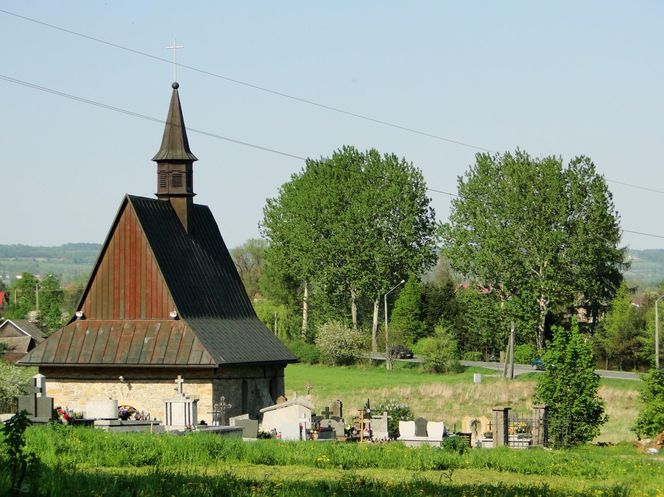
pixel 220 412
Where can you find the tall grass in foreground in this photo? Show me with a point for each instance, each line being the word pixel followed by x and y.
pixel 62 482
pixel 83 461
pixel 88 448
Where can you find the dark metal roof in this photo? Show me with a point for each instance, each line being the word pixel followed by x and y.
pixel 112 343
pixel 205 285
pixel 174 144
pixel 240 341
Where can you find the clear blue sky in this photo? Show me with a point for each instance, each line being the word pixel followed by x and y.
pixel 560 77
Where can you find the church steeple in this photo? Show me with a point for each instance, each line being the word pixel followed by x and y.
pixel 175 181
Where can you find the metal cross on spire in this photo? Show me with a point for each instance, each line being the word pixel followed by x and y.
pixel 175 47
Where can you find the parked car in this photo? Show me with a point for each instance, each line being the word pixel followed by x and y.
pixel 538 364
pixel 401 352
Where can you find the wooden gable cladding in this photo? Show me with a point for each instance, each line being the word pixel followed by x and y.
pixel 127 282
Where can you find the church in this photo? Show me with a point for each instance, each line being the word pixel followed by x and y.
pixel 164 300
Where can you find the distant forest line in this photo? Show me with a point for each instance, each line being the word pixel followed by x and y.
pixel 73 261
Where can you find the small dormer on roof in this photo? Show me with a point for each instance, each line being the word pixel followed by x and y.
pixel 175 178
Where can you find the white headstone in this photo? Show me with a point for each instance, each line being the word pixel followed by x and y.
pixel 435 430
pixel 406 429
pixel 101 409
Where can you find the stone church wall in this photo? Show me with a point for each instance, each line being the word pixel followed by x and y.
pixel 247 389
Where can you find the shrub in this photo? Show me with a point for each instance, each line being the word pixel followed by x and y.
pixel 650 422
pixel 473 356
pixel 339 344
pixel 13 382
pixel 455 444
pixel 396 412
pixel 524 353
pixel 305 352
pixel 569 387
pixel 440 352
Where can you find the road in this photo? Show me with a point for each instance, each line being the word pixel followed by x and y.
pixel 518 368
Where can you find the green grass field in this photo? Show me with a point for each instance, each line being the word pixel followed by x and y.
pixel 449 397
pixel 83 461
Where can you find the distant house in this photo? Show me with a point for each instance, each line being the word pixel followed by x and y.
pixel 19 336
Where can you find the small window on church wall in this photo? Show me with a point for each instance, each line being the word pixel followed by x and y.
pixel 176 181
pixel 163 180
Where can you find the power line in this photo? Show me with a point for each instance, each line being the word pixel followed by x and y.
pixel 206 133
pixel 284 95
pixel 252 85
pixel 644 234
pixel 143 116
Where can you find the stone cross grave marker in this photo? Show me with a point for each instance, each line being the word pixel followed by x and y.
pixel 326 413
pixel 36 403
pixel 179 381
pixel 220 413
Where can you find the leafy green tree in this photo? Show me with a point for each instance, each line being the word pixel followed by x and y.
pixel 23 293
pixel 406 320
pixel 439 304
pixel 569 388
pixel 622 331
pixel 650 422
pixel 339 344
pixel 14 381
pixel 51 301
pixel 440 352
pixel 593 258
pixel 535 232
pixel 478 325
pixel 350 225
pixel 249 261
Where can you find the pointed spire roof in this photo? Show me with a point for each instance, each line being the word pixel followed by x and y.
pixel 174 144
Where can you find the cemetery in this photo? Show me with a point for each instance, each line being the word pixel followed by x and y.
pixel 287 420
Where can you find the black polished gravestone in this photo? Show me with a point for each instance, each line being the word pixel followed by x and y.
pixel 420 427
pixel 38 406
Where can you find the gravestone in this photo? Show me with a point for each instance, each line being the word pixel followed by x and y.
pixel 379 427
pixel 181 410
pixel 338 409
pixel 220 412
pixel 249 426
pixel 288 420
pixel 420 427
pixel 336 424
pixel 38 406
pixel 326 413
pixel 101 409
pixel 436 430
pixel 406 429
pixel 327 434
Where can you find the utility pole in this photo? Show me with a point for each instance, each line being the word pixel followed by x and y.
pixel 657 331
